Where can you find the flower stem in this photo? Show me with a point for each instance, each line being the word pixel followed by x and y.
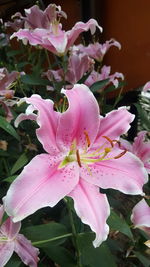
pixel 51 239
pixel 74 233
pixel 48 60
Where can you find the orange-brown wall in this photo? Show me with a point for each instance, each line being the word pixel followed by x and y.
pixel 129 22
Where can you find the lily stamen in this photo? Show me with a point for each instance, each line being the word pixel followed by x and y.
pixel 78 158
pixel 120 155
pixel 118 142
pixel 109 140
pixel 87 138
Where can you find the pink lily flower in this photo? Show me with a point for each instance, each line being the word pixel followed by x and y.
pixel 78 65
pixel 82 154
pixel 97 50
pixel 141 216
pixel 11 240
pixel 140 148
pixel 6 82
pixel 36 18
pixel 105 74
pixel 55 39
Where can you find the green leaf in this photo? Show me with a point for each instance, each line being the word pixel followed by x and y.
pixel 144 260
pixel 94 257
pixel 60 255
pixel 83 79
pixel 10 179
pixel 43 235
pixel 112 88
pixel 143 117
pixel 13 53
pixel 14 261
pixel 33 80
pixel 119 224
pixel 5 125
pixel 19 163
pixel 4 153
pixel 99 85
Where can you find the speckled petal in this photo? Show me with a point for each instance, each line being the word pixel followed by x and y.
pixel 93 209
pixel 80 119
pixel 6 251
pixel 40 184
pixel 141 216
pixel 114 124
pixel 126 174
pixel 25 250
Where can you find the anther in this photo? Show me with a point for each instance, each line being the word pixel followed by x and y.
pixel 120 155
pixel 109 140
pixel 78 158
pixel 87 138
pixel 118 142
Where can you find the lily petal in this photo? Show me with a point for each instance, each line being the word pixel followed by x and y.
pixel 47 120
pixel 75 122
pixel 93 209
pixel 140 148
pixel 141 215
pixel 6 251
pixel 116 123
pixel 126 174
pixel 81 27
pixel 25 250
pixel 40 184
pixel 10 229
pixel 23 117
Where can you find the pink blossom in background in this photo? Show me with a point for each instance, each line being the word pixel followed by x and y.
pixel 11 241
pixel 82 154
pixel 36 18
pixel 140 148
pixel 7 81
pixel 104 74
pixel 78 66
pixel 141 216
pixel 97 50
pixel 146 87
pixel 54 38
pixel 17 22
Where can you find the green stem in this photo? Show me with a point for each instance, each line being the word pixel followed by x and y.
pixel 56 238
pixel 48 60
pixel 6 166
pixel 118 98
pixel 74 233
pixel 50 239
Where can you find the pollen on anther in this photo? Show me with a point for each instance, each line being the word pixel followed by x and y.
pixel 78 158
pixel 87 138
pixel 120 155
